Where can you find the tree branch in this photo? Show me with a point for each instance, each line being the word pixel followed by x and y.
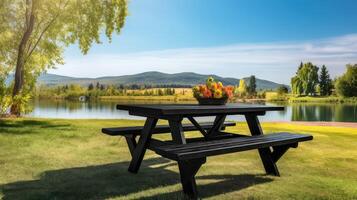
pixel 30 42
pixel 44 31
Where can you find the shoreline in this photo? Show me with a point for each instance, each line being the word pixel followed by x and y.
pixel 302 123
pixel 318 123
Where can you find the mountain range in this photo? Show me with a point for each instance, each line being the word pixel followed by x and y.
pixel 150 78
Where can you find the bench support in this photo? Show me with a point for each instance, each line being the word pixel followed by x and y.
pixel 143 143
pixel 265 153
pixel 279 151
pixel 130 140
pixel 188 170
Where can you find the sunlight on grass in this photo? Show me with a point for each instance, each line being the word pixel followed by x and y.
pixel 48 158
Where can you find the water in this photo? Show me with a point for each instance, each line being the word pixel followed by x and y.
pixel 107 110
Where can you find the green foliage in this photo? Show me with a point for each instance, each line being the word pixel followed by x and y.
pixel 22 102
pixel 45 27
pixel 90 86
pixel 346 85
pixel 325 82
pixel 74 91
pixel 252 86
pixel 242 88
pixel 5 99
pixel 305 80
pixel 282 90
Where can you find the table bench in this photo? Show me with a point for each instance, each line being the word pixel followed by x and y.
pixel 130 133
pixel 191 153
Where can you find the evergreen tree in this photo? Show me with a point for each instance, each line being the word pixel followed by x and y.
pixel 252 85
pixel 90 86
pixel 325 82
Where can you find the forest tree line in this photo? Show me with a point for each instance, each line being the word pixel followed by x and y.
pixel 74 91
pixel 312 81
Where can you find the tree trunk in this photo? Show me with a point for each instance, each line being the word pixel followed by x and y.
pixel 20 62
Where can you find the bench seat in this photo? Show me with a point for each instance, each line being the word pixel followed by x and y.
pixel 230 145
pixel 136 130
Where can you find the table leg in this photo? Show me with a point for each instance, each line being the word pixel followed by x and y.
pixel 139 151
pixel 265 153
pixel 177 131
pixel 188 168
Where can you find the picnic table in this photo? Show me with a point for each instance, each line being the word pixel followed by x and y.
pixel 191 153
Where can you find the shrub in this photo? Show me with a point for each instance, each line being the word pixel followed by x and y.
pixel 346 85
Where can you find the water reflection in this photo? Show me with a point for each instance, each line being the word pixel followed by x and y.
pixel 107 109
pixel 324 112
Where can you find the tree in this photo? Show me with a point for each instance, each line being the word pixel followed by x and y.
pixel 160 92
pixel 346 85
pixel 282 89
pixel 242 88
pixel 34 33
pixel 252 85
pixel 305 80
pixel 325 82
pixel 90 86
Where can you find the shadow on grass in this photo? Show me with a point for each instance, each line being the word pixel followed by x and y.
pixel 113 180
pixel 21 127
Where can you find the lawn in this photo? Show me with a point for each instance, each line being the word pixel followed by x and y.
pixel 71 159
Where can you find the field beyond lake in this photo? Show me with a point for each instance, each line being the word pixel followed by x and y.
pixel 71 159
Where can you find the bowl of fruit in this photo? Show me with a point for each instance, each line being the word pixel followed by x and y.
pixel 212 93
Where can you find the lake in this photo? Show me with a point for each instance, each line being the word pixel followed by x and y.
pixel 107 110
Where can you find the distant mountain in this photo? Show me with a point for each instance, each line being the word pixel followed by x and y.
pixel 150 78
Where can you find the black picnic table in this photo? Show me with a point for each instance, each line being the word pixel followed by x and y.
pixel 191 153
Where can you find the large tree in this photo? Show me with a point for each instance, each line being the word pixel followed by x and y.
pixel 325 82
pixel 34 33
pixel 305 80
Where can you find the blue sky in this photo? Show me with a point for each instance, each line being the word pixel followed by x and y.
pixel 232 38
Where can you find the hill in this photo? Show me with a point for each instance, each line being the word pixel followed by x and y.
pixel 150 78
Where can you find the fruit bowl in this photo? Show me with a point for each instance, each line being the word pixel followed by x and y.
pixel 212 101
pixel 212 93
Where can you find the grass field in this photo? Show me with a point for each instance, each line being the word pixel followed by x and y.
pixel 71 159
pixel 181 94
pixel 323 99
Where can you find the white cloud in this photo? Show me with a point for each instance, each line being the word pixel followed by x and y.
pixel 272 61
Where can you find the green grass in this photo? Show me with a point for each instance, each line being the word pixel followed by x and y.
pixel 71 159
pixel 273 96
pixel 165 98
pixel 330 99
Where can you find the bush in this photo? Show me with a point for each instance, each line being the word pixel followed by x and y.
pixel 346 85
pixel 282 90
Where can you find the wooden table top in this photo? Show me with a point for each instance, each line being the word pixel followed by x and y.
pixel 194 109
